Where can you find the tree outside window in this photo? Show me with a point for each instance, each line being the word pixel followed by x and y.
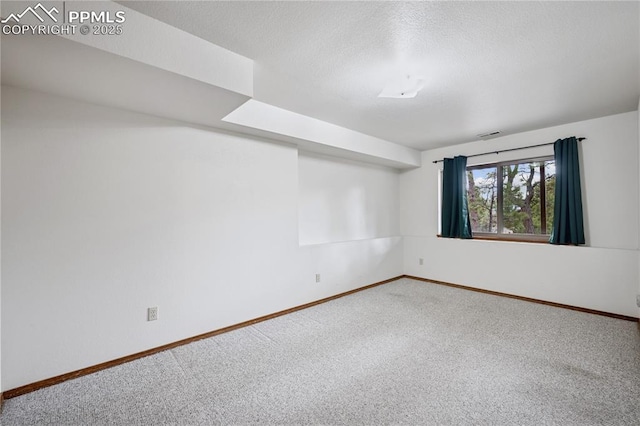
pixel 512 198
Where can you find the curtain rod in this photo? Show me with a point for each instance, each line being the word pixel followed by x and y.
pixel 507 150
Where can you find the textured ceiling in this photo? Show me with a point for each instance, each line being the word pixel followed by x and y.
pixel 509 66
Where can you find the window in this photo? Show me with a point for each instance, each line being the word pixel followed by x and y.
pixel 512 200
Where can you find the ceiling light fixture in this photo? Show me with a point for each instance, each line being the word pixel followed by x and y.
pixel 406 87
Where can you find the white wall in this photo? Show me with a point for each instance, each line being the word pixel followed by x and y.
pixel 107 212
pixel 602 276
pixel 342 200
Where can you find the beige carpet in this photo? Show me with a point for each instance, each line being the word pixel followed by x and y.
pixel 406 352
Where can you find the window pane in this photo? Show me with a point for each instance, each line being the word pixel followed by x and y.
pixel 549 190
pixel 522 209
pixel 483 193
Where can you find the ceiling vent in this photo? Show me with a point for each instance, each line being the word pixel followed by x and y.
pixel 489 135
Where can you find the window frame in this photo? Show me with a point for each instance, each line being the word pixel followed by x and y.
pixel 515 237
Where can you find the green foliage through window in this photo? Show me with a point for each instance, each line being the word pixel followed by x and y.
pixel 512 198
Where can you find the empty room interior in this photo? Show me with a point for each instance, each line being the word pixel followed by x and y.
pixel 320 213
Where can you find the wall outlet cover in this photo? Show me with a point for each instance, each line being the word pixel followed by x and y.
pixel 638 300
pixel 152 313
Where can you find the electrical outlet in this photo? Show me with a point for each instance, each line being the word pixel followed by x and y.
pixel 317 278
pixel 152 313
pixel 638 300
pixel 421 261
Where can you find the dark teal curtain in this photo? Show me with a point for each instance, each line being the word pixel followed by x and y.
pixel 568 227
pixel 455 210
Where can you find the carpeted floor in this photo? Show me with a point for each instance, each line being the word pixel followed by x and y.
pixel 406 352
